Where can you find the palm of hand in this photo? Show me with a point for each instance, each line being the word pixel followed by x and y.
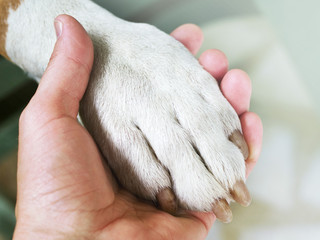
pixel 79 189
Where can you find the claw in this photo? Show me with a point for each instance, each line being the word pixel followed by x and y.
pixel 241 194
pixel 167 201
pixel 222 211
pixel 237 138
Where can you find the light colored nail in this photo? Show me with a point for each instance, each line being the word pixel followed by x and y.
pixel 167 201
pixel 58 27
pixel 241 194
pixel 222 211
pixel 237 138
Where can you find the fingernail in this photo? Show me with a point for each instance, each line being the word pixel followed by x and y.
pixel 58 28
pixel 167 201
pixel 237 138
pixel 240 193
pixel 222 211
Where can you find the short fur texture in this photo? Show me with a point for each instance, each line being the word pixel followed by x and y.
pixel 158 117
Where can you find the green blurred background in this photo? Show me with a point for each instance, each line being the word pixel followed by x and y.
pixel 277 43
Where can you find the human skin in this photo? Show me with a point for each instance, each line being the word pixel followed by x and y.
pixel 65 191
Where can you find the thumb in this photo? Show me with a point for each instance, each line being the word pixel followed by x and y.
pixel 66 77
pixel 59 163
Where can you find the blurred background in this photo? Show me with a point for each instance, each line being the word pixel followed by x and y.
pixel 277 43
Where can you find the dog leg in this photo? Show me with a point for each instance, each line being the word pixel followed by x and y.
pixel 158 117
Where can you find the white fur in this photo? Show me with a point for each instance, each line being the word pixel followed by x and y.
pixel 149 104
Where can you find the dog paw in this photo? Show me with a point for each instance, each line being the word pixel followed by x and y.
pixel 162 123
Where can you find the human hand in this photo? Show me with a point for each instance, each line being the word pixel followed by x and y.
pixel 64 189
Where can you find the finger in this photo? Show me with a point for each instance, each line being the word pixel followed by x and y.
pixel 252 131
pixel 190 36
pixel 215 62
pixel 236 87
pixel 66 77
